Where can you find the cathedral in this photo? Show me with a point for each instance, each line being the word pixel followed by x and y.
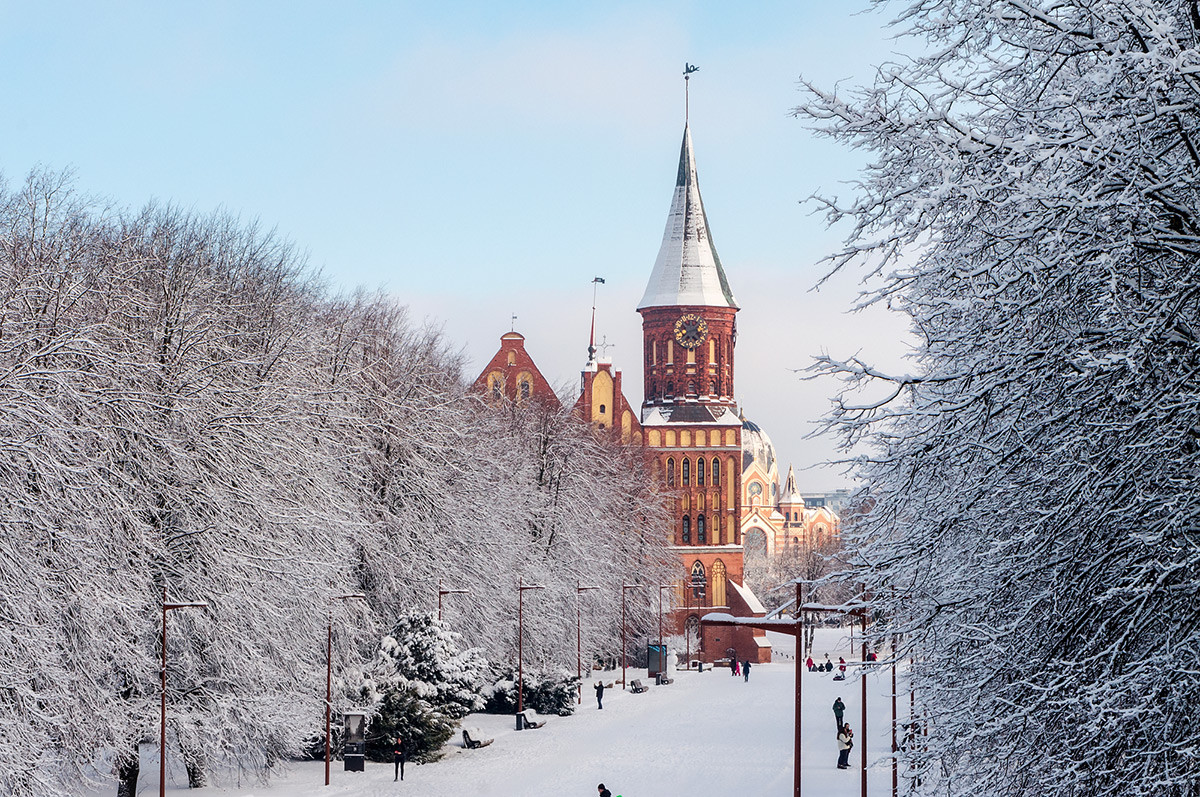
pixel 719 468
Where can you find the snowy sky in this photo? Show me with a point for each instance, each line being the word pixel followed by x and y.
pixel 479 160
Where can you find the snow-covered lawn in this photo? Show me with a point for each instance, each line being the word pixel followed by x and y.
pixel 706 734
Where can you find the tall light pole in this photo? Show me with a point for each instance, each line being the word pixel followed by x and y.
pixel 329 670
pixel 162 739
pixel 662 654
pixel 624 587
pixel 579 638
pixel 442 592
pixel 521 587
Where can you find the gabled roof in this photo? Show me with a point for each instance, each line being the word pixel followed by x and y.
pixel 687 271
pixel 507 368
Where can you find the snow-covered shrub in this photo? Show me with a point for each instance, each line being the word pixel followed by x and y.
pixel 546 692
pixel 420 685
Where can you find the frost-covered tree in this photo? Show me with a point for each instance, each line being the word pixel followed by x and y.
pixel 1032 206
pixel 419 686
pixel 185 412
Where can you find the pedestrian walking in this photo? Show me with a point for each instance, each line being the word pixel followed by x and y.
pixel 399 754
pixel 809 664
pixel 839 709
pixel 733 667
pixel 827 665
pixel 603 791
pixel 737 669
pixel 845 742
pixel 600 694
pixel 746 669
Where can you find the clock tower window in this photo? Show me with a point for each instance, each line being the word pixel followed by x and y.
pixel 700 537
pixel 687 472
pixel 687 529
pixel 670 472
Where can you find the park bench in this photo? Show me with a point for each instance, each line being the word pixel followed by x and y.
pixel 662 679
pixel 637 687
pixel 523 722
pixel 473 739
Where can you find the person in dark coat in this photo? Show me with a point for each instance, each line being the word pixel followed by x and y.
pixel 746 669
pixel 399 757
pixel 839 709
pixel 733 667
pixel 600 694
pixel 603 791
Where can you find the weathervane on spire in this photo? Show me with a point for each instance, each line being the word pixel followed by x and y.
pixel 688 69
pixel 596 282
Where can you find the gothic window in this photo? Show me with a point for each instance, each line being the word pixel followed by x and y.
pixel 687 529
pixel 700 471
pixel 712 388
pixel 718 583
pixel 670 472
pixel 525 388
pixel 693 631
pixel 700 535
pixel 698 583
pixel 716 472
pixel 687 471
pixel 670 387
pixel 691 388
pixel 716 529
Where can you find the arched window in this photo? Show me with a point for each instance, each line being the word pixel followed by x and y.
pixel 670 387
pixel 700 471
pixel 691 388
pixel 716 472
pixel 687 529
pixel 687 471
pixel 698 584
pixel 716 529
pixel 718 584
pixel 712 388
pixel 700 534
pixel 670 472
pixel 525 388
pixel 601 409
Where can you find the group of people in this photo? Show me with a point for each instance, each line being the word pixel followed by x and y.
pixel 827 666
pixel 845 736
pixel 740 668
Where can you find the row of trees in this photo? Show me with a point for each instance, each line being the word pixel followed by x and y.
pixel 185 411
pixel 1033 206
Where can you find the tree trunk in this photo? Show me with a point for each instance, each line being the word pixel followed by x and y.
pixel 193 761
pixel 127 774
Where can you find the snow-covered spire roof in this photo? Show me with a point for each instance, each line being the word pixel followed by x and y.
pixel 687 271
pixel 790 494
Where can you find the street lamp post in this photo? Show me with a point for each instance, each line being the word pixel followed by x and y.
pixel 442 592
pixel 329 672
pixel 624 587
pixel 521 587
pixel 162 739
pixel 662 655
pixel 579 638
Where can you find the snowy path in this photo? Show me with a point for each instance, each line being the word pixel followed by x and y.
pixel 706 734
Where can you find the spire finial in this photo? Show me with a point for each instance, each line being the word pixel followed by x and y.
pixel 596 282
pixel 513 328
pixel 688 69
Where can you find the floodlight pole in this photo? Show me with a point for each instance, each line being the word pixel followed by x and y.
pixel 579 638
pixel 624 587
pixel 442 592
pixel 521 587
pixel 329 671
pixel 162 738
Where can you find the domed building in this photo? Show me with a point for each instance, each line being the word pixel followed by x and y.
pixel 776 521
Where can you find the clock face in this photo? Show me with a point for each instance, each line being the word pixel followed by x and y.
pixel 690 330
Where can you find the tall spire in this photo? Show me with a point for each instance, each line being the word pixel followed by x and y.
pixel 687 270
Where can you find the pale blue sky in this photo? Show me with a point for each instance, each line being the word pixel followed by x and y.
pixel 478 159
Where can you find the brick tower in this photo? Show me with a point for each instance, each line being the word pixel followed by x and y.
pixel 690 420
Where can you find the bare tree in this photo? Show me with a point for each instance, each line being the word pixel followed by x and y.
pixel 1032 208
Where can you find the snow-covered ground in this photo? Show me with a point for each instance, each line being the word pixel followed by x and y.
pixel 706 734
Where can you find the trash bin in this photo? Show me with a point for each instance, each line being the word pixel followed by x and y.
pixel 354 745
